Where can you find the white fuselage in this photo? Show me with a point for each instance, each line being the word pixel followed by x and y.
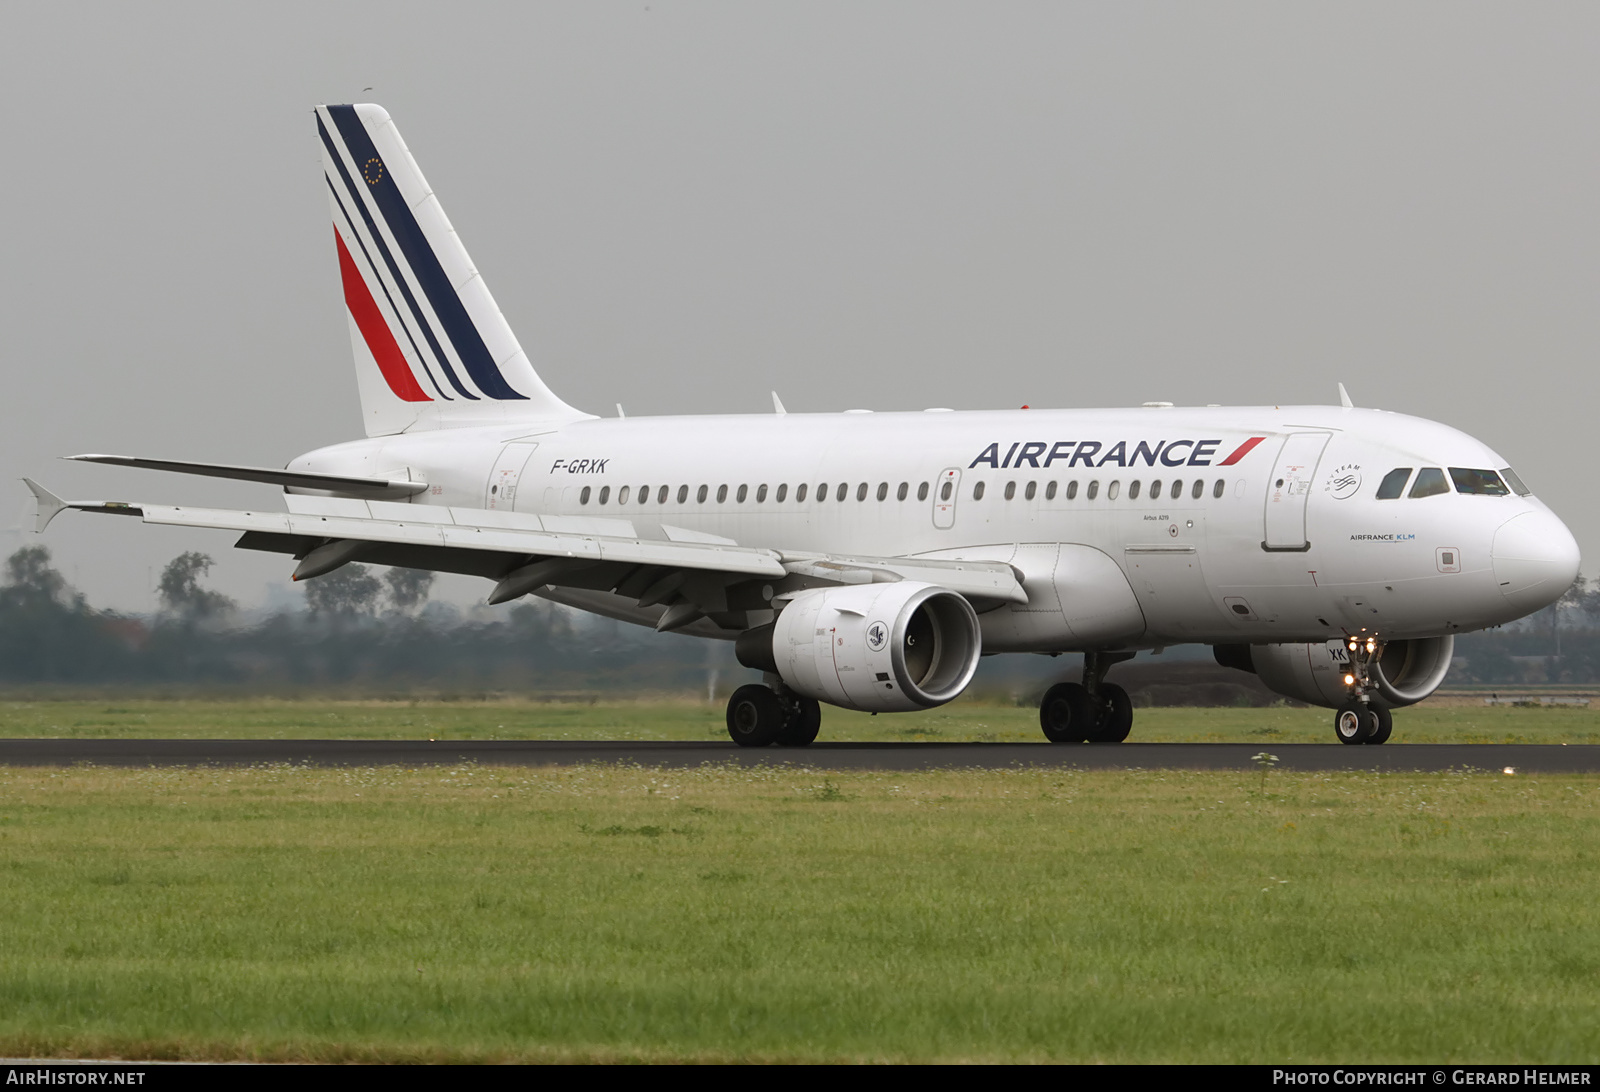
pixel 1288 543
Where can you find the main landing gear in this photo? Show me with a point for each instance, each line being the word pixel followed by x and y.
pixel 1093 711
pixel 1365 718
pixel 758 716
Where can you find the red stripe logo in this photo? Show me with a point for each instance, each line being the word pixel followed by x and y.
pixel 375 330
pixel 1242 450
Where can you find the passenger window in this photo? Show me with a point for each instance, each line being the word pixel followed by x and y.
pixel 1430 483
pixel 844 491
pixel 905 487
pixel 1177 490
pixel 1093 491
pixel 944 491
pixel 1394 483
pixel 861 492
pixel 822 492
pixel 661 494
pixel 1050 491
pixel 761 493
pixel 1011 490
pixel 977 491
pixel 1033 487
pixel 605 493
pixel 1155 489
pixel 622 495
pixel 744 491
pixel 1072 490
pixel 1483 483
pixel 1514 482
pixel 583 497
pixel 1218 489
pixel 700 494
pixel 883 491
pixel 1133 490
pixel 1112 490
pixel 799 493
pixel 783 491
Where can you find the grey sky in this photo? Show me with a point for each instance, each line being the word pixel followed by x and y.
pixel 681 206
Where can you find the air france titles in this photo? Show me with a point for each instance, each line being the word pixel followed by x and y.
pixel 1092 453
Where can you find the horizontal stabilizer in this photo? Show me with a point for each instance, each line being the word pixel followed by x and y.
pixel 373 488
pixel 48 505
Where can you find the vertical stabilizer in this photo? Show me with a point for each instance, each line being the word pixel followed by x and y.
pixel 432 349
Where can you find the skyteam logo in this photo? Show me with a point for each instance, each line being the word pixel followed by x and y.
pixel 1041 455
pixel 1343 482
pixel 877 636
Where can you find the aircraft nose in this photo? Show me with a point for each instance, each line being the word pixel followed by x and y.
pixel 1535 560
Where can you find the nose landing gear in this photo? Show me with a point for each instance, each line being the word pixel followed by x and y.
pixel 1093 711
pixel 1365 718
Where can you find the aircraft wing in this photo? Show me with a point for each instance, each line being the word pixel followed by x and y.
pixel 690 575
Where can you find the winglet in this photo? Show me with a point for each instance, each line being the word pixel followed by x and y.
pixel 777 404
pixel 1344 398
pixel 47 505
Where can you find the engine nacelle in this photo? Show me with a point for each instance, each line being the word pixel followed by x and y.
pixel 1407 672
pixel 878 648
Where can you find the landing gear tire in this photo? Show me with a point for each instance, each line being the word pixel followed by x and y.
pixel 1355 722
pixel 1116 715
pixel 801 726
pixel 1066 713
pixel 755 716
pixel 1384 721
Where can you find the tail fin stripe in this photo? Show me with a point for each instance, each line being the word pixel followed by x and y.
pixel 350 228
pixel 380 341
pixel 353 197
pixel 447 306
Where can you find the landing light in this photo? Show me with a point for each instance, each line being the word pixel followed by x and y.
pixel 1349 680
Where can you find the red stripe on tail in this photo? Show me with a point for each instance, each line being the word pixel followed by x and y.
pixel 1242 450
pixel 370 321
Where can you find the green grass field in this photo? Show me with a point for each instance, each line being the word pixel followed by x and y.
pixel 1436 721
pixel 617 913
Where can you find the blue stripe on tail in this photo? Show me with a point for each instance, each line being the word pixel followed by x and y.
pixel 354 198
pixel 447 305
pixel 383 285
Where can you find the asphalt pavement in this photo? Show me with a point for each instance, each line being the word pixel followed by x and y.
pixel 1523 757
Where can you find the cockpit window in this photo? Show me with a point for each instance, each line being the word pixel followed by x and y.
pixel 1514 482
pixel 1485 483
pixel 1394 483
pixel 1430 482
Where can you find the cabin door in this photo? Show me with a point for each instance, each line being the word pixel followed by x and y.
pixel 1288 488
pixel 501 492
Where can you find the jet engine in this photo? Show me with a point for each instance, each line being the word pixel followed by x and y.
pixel 879 648
pixel 1405 673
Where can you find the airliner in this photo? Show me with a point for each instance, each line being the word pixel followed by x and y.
pixel 868 560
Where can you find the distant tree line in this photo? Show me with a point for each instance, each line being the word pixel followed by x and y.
pixel 359 630
pixel 375 631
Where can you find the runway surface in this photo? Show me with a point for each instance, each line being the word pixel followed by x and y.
pixel 1523 757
